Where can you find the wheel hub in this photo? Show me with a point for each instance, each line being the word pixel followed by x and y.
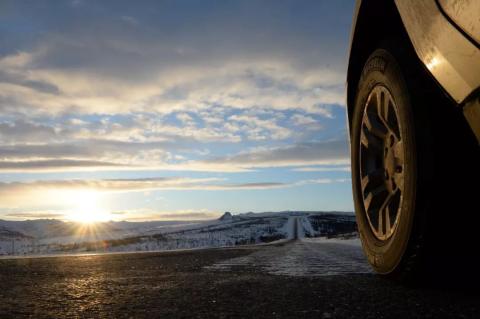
pixel 381 163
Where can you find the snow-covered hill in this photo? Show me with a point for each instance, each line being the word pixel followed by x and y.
pixel 36 237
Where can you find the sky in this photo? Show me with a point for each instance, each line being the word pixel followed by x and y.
pixel 151 110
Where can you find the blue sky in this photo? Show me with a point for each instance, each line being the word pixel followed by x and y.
pixel 136 110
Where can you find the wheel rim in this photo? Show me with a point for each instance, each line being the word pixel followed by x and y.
pixel 382 158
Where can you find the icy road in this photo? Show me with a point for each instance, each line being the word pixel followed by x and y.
pixel 297 278
pixel 303 257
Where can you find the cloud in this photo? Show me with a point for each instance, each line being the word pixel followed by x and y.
pixel 131 185
pixel 58 165
pixel 76 3
pixel 22 80
pixel 270 83
pixel 21 130
pixel 185 119
pixel 133 215
pixel 321 181
pixel 322 169
pixel 306 122
pixel 333 152
pixel 130 20
pixel 144 94
pixel 35 215
pixel 257 128
pixel 62 193
pixel 175 60
pixel 78 154
pixel 152 68
pixel 114 155
pixel 103 86
pixel 186 215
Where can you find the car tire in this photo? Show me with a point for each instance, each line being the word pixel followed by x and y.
pixel 437 229
pixel 386 151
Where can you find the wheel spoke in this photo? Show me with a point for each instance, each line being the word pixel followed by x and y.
pixel 398 178
pixel 380 224
pixel 398 150
pixel 368 201
pixel 382 162
pixel 386 202
pixel 387 219
pixel 374 126
pixel 374 197
pixel 364 138
pixel 386 113
pixel 384 215
pixel 382 108
pixel 373 178
pixel 370 141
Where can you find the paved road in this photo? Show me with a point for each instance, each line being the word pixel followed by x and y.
pixel 296 279
pixel 302 257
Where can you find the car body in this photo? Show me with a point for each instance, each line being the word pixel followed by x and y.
pixel 446 38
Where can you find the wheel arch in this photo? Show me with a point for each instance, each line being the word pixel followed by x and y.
pixel 387 24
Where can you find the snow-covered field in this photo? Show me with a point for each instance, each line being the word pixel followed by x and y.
pixel 44 237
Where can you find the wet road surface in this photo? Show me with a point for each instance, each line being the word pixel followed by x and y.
pixel 296 279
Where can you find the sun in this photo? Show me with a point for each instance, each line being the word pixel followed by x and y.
pixel 87 207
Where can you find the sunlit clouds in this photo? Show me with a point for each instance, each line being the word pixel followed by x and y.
pixel 105 107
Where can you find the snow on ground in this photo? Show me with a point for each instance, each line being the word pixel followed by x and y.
pixel 56 237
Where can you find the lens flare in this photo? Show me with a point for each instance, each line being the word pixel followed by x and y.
pixel 87 207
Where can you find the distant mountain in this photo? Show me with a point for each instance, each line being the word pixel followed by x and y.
pixel 227 216
pixel 47 228
pixel 50 228
pixel 8 234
